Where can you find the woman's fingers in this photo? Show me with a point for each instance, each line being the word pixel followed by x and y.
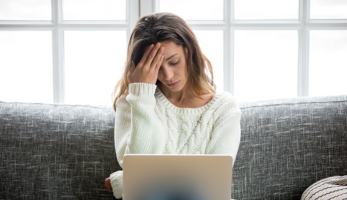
pixel 153 55
pixel 108 183
pixel 149 65
pixel 145 55
pixel 158 59
pixel 159 63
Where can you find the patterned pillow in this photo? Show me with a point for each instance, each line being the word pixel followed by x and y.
pixel 331 188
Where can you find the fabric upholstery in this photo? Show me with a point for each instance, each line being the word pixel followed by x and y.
pixel 55 151
pixel 289 144
pixel 67 151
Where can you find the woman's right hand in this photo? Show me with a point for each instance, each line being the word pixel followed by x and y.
pixel 147 69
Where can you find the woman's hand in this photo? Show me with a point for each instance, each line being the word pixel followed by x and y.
pixel 148 67
pixel 108 183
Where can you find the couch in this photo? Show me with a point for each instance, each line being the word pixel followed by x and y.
pixel 67 151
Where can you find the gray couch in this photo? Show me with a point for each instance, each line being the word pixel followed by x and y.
pixel 67 151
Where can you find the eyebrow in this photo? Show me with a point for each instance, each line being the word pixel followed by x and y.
pixel 171 57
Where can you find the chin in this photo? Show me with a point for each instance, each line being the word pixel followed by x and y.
pixel 177 88
pixel 174 89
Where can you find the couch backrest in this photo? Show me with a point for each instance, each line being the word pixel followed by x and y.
pixel 288 144
pixel 66 151
pixel 56 151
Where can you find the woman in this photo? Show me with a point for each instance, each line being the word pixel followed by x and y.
pixel 166 103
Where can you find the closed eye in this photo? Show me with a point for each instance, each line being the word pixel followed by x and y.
pixel 171 64
pixel 175 63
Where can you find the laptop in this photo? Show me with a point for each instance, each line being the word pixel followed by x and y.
pixel 177 177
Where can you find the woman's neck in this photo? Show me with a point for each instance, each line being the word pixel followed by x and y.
pixel 179 96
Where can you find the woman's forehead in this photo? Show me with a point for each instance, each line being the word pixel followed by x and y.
pixel 168 46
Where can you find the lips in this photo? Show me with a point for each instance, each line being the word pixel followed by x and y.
pixel 173 84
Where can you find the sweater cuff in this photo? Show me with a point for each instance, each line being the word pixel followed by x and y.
pixel 142 88
pixel 117 184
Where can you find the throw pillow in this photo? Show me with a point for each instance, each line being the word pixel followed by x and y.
pixel 332 188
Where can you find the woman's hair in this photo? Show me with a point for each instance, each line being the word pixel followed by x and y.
pixel 166 27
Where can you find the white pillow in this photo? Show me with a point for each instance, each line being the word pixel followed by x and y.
pixel 331 188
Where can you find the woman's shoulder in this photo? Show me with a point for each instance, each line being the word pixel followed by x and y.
pixel 226 103
pixel 224 97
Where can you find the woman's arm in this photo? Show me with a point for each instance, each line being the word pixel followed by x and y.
pixel 138 129
pixel 226 132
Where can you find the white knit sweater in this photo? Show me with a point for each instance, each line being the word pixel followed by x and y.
pixel 146 122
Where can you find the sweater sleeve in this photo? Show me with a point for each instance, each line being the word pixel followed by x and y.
pixel 138 129
pixel 226 132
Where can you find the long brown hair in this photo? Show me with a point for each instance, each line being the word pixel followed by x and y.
pixel 160 27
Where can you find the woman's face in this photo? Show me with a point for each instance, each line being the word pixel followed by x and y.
pixel 173 68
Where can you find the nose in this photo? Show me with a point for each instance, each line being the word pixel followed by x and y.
pixel 167 74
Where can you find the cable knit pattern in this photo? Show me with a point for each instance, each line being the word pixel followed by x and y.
pixel 147 122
